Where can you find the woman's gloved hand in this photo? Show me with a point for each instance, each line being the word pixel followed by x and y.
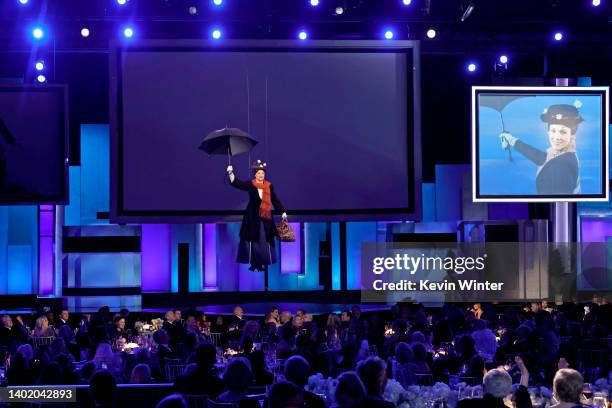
pixel 230 169
pixel 284 216
pixel 507 140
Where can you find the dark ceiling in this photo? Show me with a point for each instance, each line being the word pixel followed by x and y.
pixel 522 29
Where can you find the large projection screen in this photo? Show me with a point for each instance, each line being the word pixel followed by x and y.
pixel 540 144
pixel 33 144
pixel 336 123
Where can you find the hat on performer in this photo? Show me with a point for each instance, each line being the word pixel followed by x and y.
pixel 566 115
pixel 259 165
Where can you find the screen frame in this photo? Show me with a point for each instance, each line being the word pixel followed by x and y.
pixel 414 170
pixel 62 91
pixel 603 91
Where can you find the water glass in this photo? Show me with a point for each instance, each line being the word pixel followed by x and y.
pixel 600 399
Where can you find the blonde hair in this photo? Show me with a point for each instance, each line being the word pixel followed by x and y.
pixel 38 328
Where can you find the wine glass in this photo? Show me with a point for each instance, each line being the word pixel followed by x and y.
pixel 600 399
pixel 587 391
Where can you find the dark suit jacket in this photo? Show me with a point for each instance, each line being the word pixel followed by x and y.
pixel 377 402
pixel 312 400
pixel 199 381
pixel 486 402
pixel 249 229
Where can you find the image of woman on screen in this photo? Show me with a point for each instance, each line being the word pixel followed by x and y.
pixel 558 170
pixel 258 230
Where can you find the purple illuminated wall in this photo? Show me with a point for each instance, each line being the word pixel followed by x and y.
pixel 594 268
pixel 46 260
pixel 156 258
pixel 595 229
pixel 291 252
pixel 210 257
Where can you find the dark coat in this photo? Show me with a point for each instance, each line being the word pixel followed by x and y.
pixel 558 176
pixel 249 230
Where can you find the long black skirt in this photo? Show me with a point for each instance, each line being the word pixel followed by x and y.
pixel 259 253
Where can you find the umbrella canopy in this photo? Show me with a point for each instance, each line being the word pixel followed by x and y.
pixel 498 103
pixel 229 141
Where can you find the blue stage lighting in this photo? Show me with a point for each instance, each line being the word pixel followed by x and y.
pixel 314 3
pixel 216 34
pixel 503 59
pixel 558 36
pixel 41 78
pixel 24 2
pixel 85 32
pixel 471 67
pixel 431 33
pixel 122 2
pixel 407 2
pixel 128 32
pixel 38 33
pixel 40 65
pixel 217 2
pixel 596 3
pixel 303 35
pixel 389 35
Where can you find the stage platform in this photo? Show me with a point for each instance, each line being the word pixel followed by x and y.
pixel 223 303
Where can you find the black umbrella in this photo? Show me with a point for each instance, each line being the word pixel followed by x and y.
pixel 499 102
pixel 230 141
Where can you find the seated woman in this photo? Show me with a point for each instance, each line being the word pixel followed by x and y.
pixel 260 371
pixel 42 328
pixel 419 359
pixel 119 329
pixel 238 377
pixel 105 359
pixel 141 374
pixel 402 369
pixel 350 392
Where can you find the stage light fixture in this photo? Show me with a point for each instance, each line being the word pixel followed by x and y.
pixel 303 35
pixel 38 33
pixel 389 35
pixel 314 3
pixel 407 2
pixel 468 8
pixel 216 34
pixel 596 3
pixel 193 10
pixel 128 32
pixel 41 78
pixel 217 2
pixel 122 2
pixel 472 67
pixel 431 33
pixel 503 59
pixel 558 36
pixel 40 65
pixel 339 10
pixel 85 32
pixel 23 2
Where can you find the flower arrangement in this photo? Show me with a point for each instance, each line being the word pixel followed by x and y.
pixel 320 385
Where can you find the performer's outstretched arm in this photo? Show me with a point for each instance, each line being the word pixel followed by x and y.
pixel 241 185
pixel 537 156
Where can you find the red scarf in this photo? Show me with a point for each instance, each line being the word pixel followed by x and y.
pixel 265 208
